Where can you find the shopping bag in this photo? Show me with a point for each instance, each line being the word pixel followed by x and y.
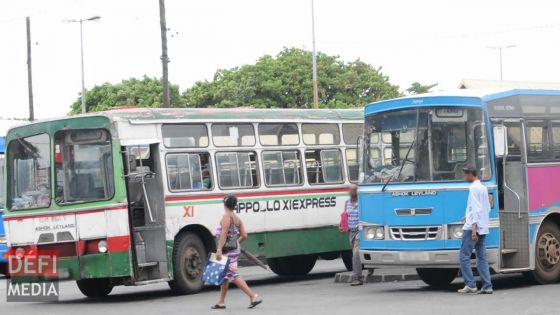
pixel 343 225
pixel 215 270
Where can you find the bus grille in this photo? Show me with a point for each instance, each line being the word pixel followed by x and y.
pixel 415 233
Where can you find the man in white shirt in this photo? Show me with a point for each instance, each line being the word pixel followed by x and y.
pixel 475 229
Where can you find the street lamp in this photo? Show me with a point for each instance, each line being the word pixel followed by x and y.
pixel 314 60
pixel 500 48
pixel 81 21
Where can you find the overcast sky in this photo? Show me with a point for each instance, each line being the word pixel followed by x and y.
pixel 430 41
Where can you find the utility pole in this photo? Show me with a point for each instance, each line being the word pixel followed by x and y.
pixel 29 75
pixel 164 57
pixel 500 48
pixel 81 21
pixel 315 85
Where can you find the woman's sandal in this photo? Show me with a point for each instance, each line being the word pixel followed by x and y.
pixel 218 307
pixel 256 302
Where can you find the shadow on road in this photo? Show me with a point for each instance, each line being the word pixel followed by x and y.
pixel 163 294
pixel 500 283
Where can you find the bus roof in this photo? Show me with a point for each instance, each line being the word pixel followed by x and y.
pixel 171 114
pixel 466 97
pixel 144 116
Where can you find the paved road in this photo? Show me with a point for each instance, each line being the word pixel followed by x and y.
pixel 316 294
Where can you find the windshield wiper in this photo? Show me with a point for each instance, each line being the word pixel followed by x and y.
pixel 402 166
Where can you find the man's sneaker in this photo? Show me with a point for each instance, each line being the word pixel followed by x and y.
pixel 356 283
pixel 486 291
pixel 468 290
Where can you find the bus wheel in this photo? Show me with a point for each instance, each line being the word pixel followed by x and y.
pixel 347 259
pixel 275 265
pixel 547 266
pixel 95 288
pixel 292 265
pixel 437 277
pixel 189 260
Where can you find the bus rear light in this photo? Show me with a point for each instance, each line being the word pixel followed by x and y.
pixel 96 246
pixel 19 252
pixel 102 246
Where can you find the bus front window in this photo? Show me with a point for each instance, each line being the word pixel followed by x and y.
pixel 84 166
pixel 425 144
pixel 29 163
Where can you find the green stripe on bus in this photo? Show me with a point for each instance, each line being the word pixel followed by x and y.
pixel 91 266
pixel 282 197
pixel 288 243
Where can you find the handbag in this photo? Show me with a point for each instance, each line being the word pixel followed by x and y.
pixel 343 225
pixel 231 242
pixel 215 270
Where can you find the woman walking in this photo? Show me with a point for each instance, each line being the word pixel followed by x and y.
pixel 232 228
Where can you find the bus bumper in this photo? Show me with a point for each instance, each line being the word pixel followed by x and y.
pixel 429 259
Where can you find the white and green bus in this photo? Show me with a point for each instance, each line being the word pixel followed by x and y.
pixel 133 196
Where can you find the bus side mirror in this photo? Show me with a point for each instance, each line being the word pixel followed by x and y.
pixel 500 141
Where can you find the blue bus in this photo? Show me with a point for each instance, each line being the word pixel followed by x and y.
pixel 412 195
pixel 3 242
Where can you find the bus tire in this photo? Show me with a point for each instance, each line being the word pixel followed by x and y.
pixel 547 254
pixel 437 277
pixel 292 265
pixel 95 288
pixel 329 255
pixel 347 259
pixel 3 268
pixel 189 260
pixel 275 265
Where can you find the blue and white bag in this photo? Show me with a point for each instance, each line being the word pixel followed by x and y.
pixel 215 270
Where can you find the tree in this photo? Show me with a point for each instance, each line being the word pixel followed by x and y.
pixel 417 88
pixel 285 81
pixel 147 92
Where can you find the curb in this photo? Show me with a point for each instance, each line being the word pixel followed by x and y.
pixel 346 277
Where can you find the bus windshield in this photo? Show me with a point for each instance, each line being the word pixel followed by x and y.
pixel 425 145
pixel 83 166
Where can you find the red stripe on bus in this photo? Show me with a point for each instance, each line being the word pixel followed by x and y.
pixel 118 243
pixel 259 194
pixel 55 214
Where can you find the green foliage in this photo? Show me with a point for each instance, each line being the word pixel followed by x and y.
pixel 147 92
pixel 281 81
pixel 417 88
pixel 285 81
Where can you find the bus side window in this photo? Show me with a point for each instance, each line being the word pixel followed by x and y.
pixel 324 166
pixel 320 134
pixel 353 168
pixel 189 171
pixel 513 140
pixel 537 141
pixel 282 168
pixel 556 139
pixel 237 170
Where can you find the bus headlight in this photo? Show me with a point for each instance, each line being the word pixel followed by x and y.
pixel 102 246
pixel 455 231
pixel 3 240
pixel 374 232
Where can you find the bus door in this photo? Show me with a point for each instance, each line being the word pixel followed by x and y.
pixel 147 210
pixel 514 215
